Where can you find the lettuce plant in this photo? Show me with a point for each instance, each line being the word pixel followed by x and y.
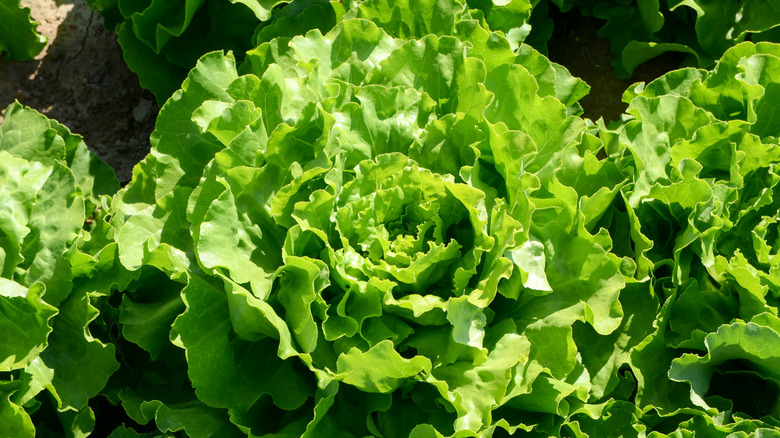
pixel 344 203
pixel 53 194
pixel 703 149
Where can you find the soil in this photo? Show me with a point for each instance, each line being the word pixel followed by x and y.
pixel 576 45
pixel 81 80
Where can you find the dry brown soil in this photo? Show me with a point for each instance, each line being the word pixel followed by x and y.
pixel 81 80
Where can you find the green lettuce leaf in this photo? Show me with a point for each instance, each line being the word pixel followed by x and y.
pixel 18 37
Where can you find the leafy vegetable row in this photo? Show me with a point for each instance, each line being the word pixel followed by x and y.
pixel 162 40
pixel 401 227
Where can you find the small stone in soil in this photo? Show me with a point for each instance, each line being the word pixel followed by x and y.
pixel 142 111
